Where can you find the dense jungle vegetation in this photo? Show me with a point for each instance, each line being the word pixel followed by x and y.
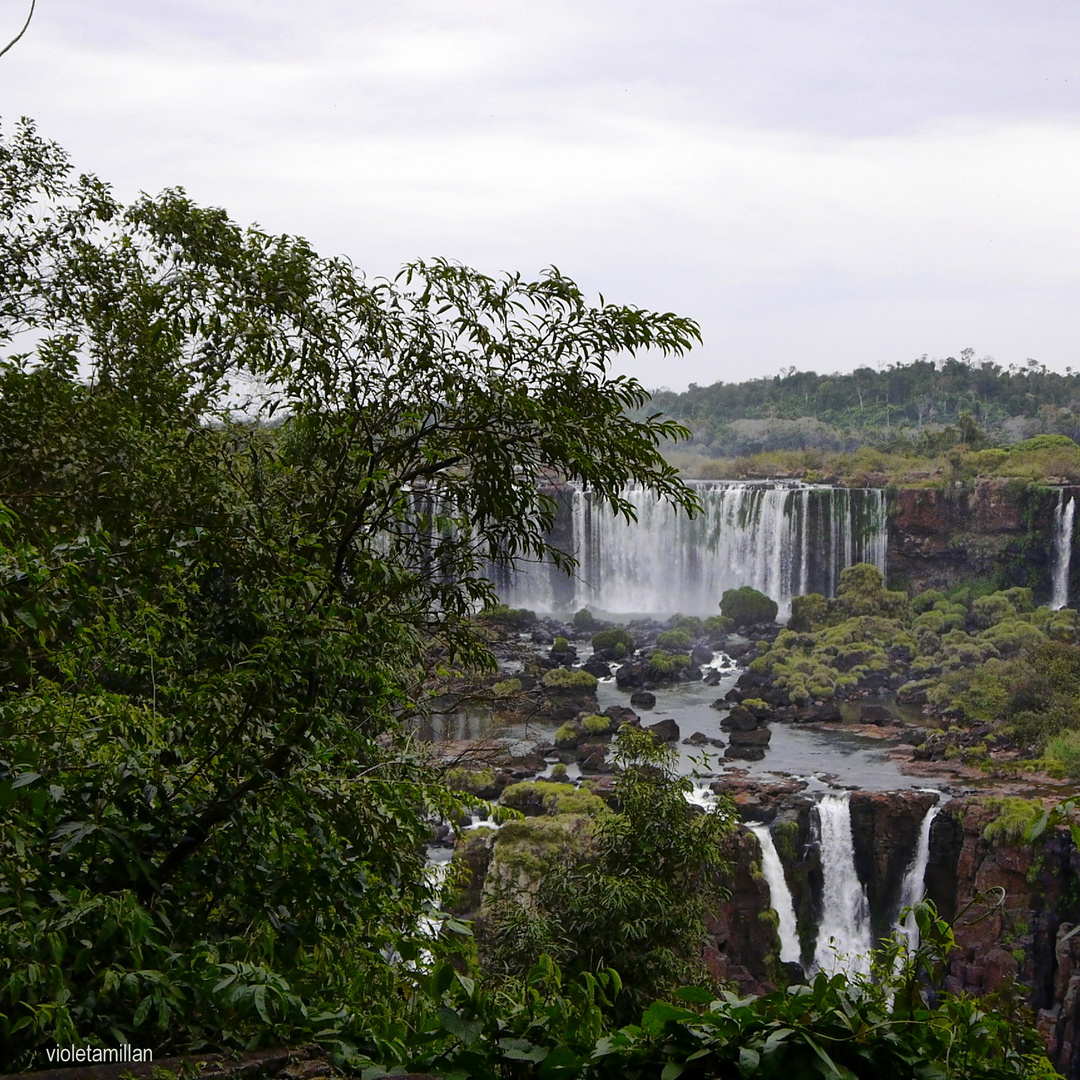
pixel 908 422
pixel 1003 673
pixel 246 500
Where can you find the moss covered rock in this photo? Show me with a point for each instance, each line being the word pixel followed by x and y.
pixel 746 606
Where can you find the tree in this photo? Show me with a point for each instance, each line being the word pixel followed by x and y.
pixel 247 504
pixel 634 895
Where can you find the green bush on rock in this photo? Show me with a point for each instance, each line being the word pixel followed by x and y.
pixel 808 612
pixel 746 606
pixel 565 681
pixel 612 639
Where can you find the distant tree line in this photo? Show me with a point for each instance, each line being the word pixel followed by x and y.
pixel 926 404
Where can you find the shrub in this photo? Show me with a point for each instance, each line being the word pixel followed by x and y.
pixel 673 639
pixel 564 681
pixel 746 606
pixel 472 781
pixel 661 665
pixel 1013 816
pixel 560 645
pixel 924 601
pixel 584 621
pixel 515 618
pixel 1012 636
pixel 507 688
pixel 609 639
pixel 862 591
pixel 567 736
pixel 1064 751
pixel 690 623
pixel 581 801
pixel 558 771
pixel 808 612
pixel 1020 598
pixel 719 624
pixel 988 610
pixel 595 724
pixel 535 794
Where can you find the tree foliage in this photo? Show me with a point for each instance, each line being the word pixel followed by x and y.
pixel 632 896
pixel 248 503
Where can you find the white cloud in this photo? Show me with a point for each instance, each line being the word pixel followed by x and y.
pixel 819 184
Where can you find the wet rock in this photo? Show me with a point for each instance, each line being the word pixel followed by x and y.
pixel 593 757
pixel 744 753
pixel 665 730
pixel 762 800
pixel 620 714
pixel 701 654
pixel 643 699
pixel 826 713
pixel 885 832
pixel 756 737
pixel 597 668
pixel 875 714
pixel 632 674
pixel 739 719
pixel 712 677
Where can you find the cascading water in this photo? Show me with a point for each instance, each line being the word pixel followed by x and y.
pixel 913 887
pixel 784 539
pixel 1063 541
pixel 844 940
pixel 779 895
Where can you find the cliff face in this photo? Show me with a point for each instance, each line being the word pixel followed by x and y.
pixel 999 529
pixel 885 832
pixel 1013 907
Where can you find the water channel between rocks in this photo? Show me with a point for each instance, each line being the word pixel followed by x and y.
pixel 826 758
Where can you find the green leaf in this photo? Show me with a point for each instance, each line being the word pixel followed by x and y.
pixel 672 1070
pixel 260 1003
pixel 749 1060
pixel 659 1014
pixel 698 995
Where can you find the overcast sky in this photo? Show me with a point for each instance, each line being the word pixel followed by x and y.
pixel 824 183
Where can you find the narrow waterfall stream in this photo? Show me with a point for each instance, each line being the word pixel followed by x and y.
pixel 1063 541
pixel 913 887
pixel 779 894
pixel 844 940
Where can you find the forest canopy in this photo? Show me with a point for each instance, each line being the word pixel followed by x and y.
pixel 925 405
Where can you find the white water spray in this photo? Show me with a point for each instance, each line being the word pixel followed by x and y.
pixel 844 941
pixel 913 887
pixel 782 539
pixel 1063 540
pixel 779 895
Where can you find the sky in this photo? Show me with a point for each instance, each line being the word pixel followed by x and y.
pixel 819 184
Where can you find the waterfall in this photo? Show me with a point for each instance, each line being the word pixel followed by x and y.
pixel 779 895
pixel 1063 539
pixel 913 887
pixel 781 538
pixel 844 940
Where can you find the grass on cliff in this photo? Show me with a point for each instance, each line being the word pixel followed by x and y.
pixel 1038 460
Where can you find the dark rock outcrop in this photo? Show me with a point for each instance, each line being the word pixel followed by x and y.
pixel 665 730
